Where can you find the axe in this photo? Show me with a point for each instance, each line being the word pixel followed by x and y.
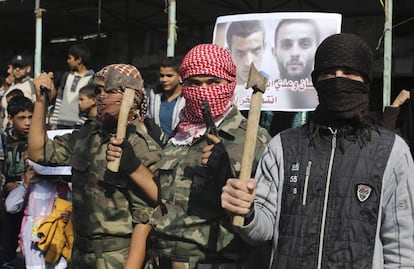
pixel 115 80
pixel 258 83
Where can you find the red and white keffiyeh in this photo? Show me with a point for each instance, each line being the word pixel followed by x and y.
pixel 208 60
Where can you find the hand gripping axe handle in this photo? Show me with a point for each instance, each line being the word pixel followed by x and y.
pixel 258 83
pixel 114 80
pixel 126 105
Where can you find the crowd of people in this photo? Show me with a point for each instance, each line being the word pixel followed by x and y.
pixel 334 192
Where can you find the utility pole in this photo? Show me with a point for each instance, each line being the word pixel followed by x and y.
pixel 38 45
pixel 386 98
pixel 172 34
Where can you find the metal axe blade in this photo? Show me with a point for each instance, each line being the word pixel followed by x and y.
pixel 256 80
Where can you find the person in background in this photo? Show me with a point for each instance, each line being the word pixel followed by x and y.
pixel 14 144
pixel 35 197
pixel 190 229
pixel 337 191
pixel 66 111
pixel 7 80
pixel 13 93
pixel 399 116
pixel 87 101
pixel 165 104
pixel 107 207
pixel 20 69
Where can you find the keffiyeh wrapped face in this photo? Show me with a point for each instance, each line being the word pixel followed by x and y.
pixel 109 101
pixel 207 60
pixel 219 97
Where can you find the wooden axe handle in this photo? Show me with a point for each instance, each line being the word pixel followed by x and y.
pixel 249 144
pixel 258 82
pixel 126 105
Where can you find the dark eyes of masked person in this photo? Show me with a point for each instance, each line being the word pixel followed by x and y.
pixel 204 81
pixel 340 72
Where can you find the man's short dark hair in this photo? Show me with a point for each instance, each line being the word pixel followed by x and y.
pixel 80 51
pixel 173 62
pixel 15 92
pixel 19 104
pixel 244 29
pixel 290 21
pixel 89 91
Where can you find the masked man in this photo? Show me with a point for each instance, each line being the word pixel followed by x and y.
pixel 190 229
pixel 337 191
pixel 106 205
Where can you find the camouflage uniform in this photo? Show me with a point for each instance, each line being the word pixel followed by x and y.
pixel 102 216
pixel 190 225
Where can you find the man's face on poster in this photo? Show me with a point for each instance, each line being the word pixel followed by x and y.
pixel 244 51
pixel 295 47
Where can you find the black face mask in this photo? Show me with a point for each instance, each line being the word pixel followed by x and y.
pixel 340 100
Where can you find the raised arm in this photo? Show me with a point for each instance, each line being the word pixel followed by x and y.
pixel 37 134
pixel 391 112
pixel 403 96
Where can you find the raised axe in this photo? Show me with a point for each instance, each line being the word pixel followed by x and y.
pixel 115 80
pixel 258 83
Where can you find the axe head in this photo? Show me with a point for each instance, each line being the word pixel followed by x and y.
pixel 115 80
pixel 256 80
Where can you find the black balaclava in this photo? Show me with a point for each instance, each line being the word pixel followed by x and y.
pixel 342 101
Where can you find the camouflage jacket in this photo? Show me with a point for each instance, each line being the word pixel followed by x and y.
pixel 14 157
pixel 98 210
pixel 190 222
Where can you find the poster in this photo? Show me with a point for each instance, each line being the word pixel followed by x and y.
pixel 282 46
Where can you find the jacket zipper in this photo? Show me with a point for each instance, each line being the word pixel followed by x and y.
pixel 305 187
pixel 325 202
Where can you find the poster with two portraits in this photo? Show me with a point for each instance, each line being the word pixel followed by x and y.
pixel 282 46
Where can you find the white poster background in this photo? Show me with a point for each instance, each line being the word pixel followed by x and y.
pixel 280 95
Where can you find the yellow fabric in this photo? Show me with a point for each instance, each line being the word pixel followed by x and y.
pixel 56 237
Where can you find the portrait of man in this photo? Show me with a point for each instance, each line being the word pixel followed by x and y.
pixel 295 44
pixel 246 43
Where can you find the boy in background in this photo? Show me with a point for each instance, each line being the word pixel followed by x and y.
pixel 20 111
pixel 166 102
pixel 9 96
pixel 66 111
pixel 87 102
pixel 14 93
